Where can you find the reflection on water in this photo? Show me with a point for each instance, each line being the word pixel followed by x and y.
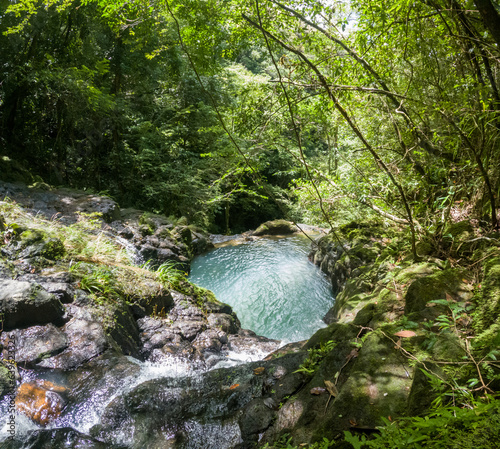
pixel 271 285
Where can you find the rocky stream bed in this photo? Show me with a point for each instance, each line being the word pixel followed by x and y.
pixel 172 367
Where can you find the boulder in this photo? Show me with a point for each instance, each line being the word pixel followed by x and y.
pixel 42 401
pixel 451 284
pixel 36 343
pixel 275 227
pixel 86 340
pixel 25 304
pixel 32 243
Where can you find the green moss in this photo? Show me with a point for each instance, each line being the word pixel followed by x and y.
pixel 487 298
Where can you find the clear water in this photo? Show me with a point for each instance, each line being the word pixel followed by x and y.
pixel 271 285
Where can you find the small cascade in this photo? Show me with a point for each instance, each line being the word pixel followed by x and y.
pixel 135 255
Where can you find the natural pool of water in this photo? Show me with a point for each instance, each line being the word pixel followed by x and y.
pixel 271 285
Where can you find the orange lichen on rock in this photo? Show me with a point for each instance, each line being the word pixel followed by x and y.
pixel 41 401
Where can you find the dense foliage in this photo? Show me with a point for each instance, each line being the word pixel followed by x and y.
pixel 234 112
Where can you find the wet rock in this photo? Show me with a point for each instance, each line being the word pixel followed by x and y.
pixel 86 340
pixel 256 418
pixel 223 321
pixel 41 401
pixel 58 438
pixel 276 227
pixel 176 406
pixel 24 304
pixel 155 333
pixel 209 340
pixel 157 304
pixel 189 329
pixel 36 343
pixel 248 341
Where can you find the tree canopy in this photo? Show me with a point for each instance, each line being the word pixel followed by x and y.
pixel 235 112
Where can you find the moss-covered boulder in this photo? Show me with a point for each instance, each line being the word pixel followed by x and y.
pixel 275 227
pixel 451 284
pixel 30 243
pixel 7 382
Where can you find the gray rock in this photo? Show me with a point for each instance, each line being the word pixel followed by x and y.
pixel 36 343
pixel 86 340
pixel 24 304
pixel 223 321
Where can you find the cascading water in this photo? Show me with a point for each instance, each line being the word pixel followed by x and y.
pixel 274 290
pixel 271 285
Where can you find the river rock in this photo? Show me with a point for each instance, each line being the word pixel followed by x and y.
pixel 86 340
pixel 223 321
pixel 57 438
pixel 25 304
pixel 36 343
pixel 155 333
pixel 276 227
pixel 41 401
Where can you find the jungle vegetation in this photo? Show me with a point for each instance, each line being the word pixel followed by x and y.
pixel 231 113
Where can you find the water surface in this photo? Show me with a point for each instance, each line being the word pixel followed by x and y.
pixel 271 285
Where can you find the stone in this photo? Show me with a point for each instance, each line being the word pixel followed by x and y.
pixel 155 333
pixel 25 304
pixel 35 343
pixel 64 437
pixel 451 283
pixel 156 304
pixel 86 340
pixel 208 340
pixel 276 227
pixel 34 243
pixel 223 321
pixel 42 401
pixel 256 418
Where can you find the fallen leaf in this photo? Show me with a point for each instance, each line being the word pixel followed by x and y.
pixel 232 387
pixel 259 370
pixel 353 422
pixel 332 389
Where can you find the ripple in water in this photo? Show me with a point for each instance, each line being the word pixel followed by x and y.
pixel 271 285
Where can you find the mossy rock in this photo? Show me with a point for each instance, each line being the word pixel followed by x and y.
pixel 7 383
pixel 275 227
pixel 35 243
pixel 488 298
pixel 447 284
